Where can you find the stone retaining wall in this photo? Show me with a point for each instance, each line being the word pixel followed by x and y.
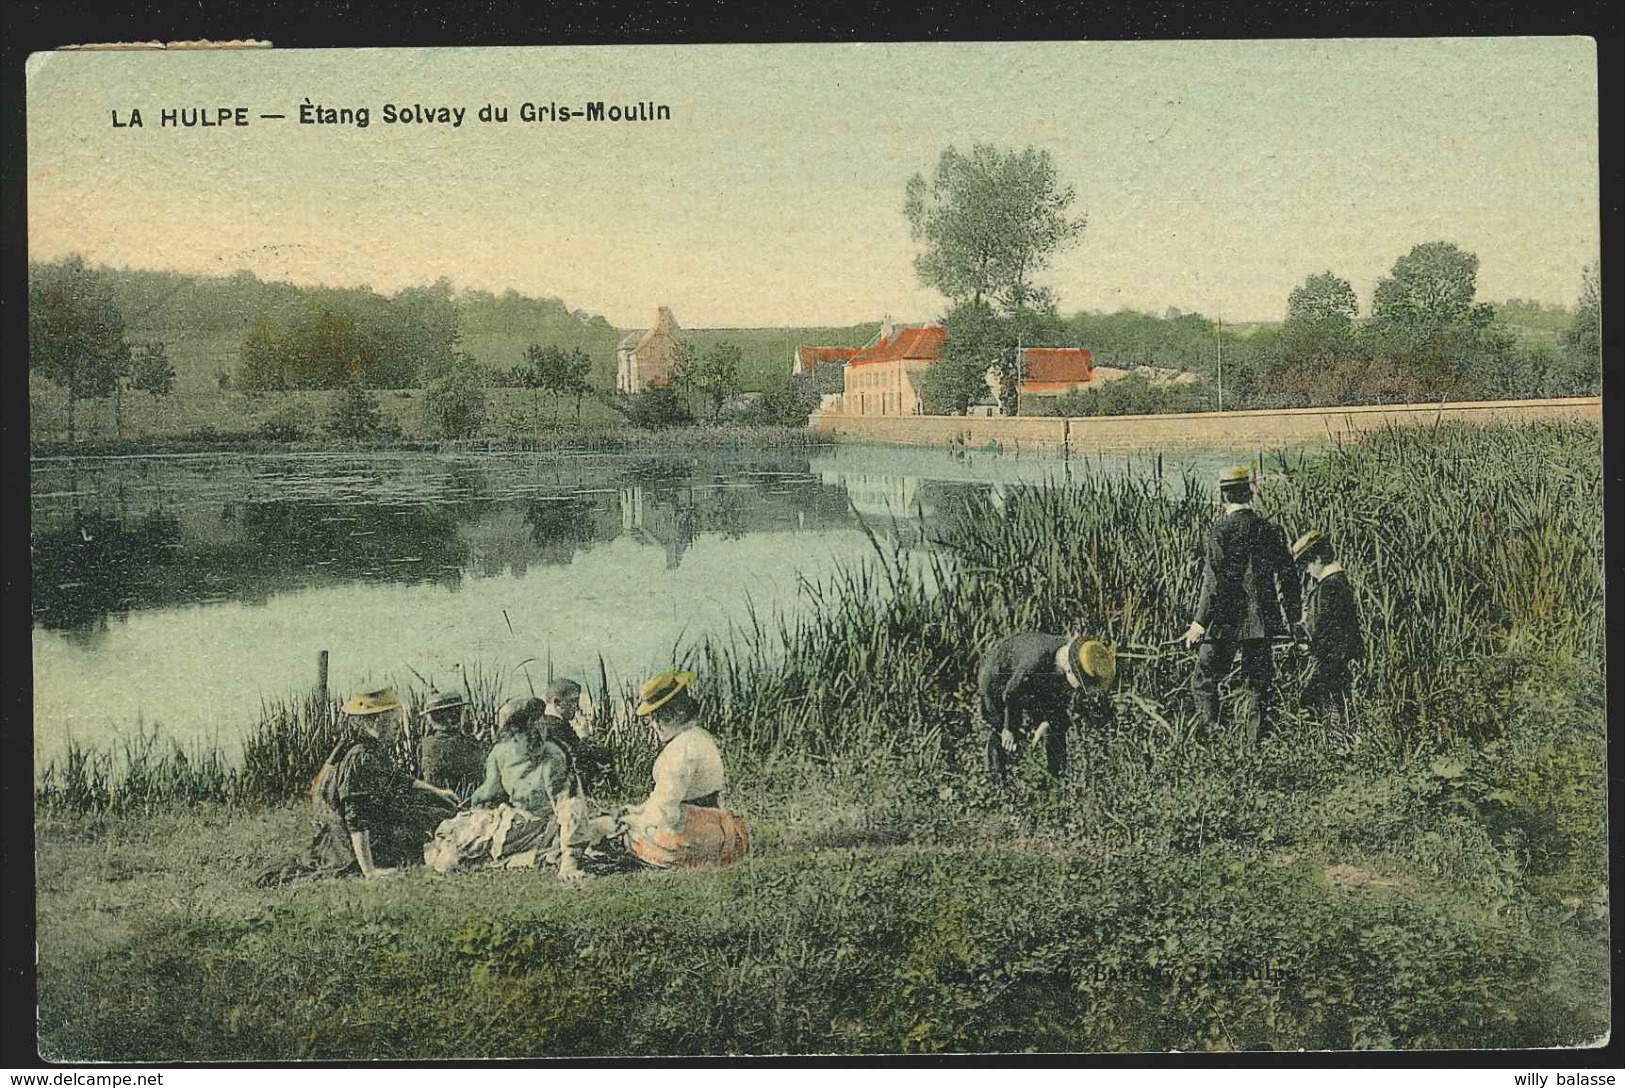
pixel 1192 430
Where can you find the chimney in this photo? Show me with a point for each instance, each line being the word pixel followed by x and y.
pixel 885 329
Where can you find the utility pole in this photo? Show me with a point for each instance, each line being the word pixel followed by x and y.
pixel 1218 341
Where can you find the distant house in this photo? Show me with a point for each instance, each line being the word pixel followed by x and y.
pixel 825 369
pixel 1048 372
pixel 1154 375
pixel 646 357
pixel 882 378
pixel 812 360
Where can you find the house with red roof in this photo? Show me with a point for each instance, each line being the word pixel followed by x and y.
pixel 825 370
pixel 1048 372
pixel 882 378
pixel 1051 371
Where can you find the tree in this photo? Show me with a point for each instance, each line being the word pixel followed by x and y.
pixel 1423 314
pixel 1430 290
pixel 990 221
pixel 75 332
pixel 976 340
pixel 355 415
pixel 454 400
pixel 1581 371
pixel 541 371
pixel 710 374
pixel 576 373
pixel 262 357
pixel 150 369
pixel 787 400
pixel 1320 315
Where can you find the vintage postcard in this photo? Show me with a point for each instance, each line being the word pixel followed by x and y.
pixel 817 549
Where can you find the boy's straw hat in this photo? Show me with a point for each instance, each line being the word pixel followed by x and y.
pixel 442 700
pixel 1098 661
pixel 661 689
pixel 1306 543
pixel 1094 659
pixel 367 703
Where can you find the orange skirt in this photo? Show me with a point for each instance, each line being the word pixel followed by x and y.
pixel 709 837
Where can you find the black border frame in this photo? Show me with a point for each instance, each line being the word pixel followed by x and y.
pixel 31 25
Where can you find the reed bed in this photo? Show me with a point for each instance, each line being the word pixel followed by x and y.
pixel 1475 551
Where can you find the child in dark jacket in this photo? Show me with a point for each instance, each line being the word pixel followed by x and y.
pixel 1332 619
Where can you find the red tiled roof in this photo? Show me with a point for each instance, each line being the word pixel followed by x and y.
pixel 1062 366
pixel 816 356
pixel 923 344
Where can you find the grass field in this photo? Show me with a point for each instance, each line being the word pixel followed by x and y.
pixel 1446 886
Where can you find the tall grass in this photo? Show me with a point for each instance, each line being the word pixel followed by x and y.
pixel 1476 553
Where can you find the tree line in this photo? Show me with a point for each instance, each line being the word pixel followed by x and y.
pixel 990 221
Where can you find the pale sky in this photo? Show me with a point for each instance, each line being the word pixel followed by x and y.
pixel 1215 175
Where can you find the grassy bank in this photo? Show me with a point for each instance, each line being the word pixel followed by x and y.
pixel 826 942
pixel 611 439
pixel 1445 886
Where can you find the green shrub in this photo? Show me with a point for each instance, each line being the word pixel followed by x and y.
pixel 356 417
pixel 454 401
pixel 287 424
pixel 656 408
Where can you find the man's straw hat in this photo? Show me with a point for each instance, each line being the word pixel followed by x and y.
pixel 1097 661
pixel 661 689
pixel 1233 477
pixel 366 703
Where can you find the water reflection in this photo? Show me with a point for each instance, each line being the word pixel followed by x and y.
pixel 129 536
pixel 225 575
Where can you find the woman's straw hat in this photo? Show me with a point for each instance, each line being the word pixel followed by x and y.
pixel 663 688
pixel 1098 661
pixel 366 703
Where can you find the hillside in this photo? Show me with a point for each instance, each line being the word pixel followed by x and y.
pixel 202 320
pixel 770 351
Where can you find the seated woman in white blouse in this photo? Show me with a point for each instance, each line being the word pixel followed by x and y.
pixel 682 823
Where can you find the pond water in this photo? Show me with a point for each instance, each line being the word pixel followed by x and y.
pixel 180 592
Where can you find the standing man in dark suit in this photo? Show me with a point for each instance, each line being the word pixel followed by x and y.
pixel 1027 680
pixel 1335 642
pixel 1247 577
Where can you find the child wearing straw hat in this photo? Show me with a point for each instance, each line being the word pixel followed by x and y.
pixel 370 816
pixel 1027 680
pixel 447 755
